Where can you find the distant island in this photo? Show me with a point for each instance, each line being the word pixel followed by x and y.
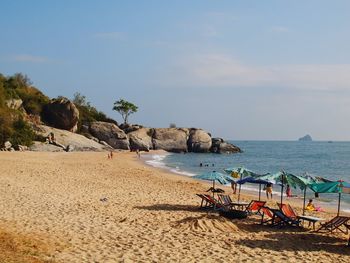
pixel 306 138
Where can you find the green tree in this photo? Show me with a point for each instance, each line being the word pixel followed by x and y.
pixel 125 108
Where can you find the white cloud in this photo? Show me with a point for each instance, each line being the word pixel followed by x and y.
pixel 30 58
pixel 111 35
pixel 279 29
pixel 223 70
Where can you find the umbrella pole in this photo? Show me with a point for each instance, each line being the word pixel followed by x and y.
pixel 239 190
pixel 282 193
pixel 259 191
pixel 339 204
pixel 304 201
pixel 213 187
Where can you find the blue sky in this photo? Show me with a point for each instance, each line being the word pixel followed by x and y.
pixel 239 69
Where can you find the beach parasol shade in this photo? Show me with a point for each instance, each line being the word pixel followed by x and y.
pixel 253 180
pixel 285 178
pixel 214 176
pixel 338 187
pixel 242 173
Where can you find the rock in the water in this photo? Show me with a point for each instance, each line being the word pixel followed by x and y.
pixel 14 104
pixel 220 146
pixel 110 133
pixel 199 141
pixel 170 139
pixel 141 139
pixel 306 138
pixel 61 114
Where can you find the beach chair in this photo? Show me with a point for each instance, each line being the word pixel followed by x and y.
pixel 225 200
pixel 277 218
pixel 334 224
pixel 210 202
pixel 266 212
pixel 288 210
pixel 254 207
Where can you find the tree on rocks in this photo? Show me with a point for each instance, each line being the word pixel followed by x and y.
pixel 125 108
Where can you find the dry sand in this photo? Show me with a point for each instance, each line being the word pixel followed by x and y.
pixel 82 207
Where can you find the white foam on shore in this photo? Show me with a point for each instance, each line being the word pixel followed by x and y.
pixel 157 160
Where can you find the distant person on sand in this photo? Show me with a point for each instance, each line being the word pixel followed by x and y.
pixel 138 153
pixel 234 186
pixel 111 154
pixel 268 190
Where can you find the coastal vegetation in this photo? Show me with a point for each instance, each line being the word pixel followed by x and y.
pixel 125 108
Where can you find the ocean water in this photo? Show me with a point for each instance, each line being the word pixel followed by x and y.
pixel 327 159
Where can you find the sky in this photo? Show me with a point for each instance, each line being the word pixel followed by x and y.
pixel 242 70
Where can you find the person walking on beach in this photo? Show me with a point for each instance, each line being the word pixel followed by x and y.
pixel 138 153
pixel 288 191
pixel 268 190
pixel 234 186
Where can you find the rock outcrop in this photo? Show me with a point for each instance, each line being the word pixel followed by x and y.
pixel 65 138
pixel 141 139
pixel 170 139
pixel 14 104
pixel 110 133
pixel 199 141
pixel 61 114
pixel 220 146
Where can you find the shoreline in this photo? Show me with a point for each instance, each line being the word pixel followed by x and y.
pixel 247 192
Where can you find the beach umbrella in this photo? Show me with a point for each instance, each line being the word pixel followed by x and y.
pixel 214 176
pixel 284 178
pixel 253 180
pixel 242 173
pixel 307 179
pixel 338 187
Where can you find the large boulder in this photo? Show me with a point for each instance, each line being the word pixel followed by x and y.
pixel 141 139
pixel 110 133
pixel 220 146
pixel 65 140
pixel 61 114
pixel 199 141
pixel 170 139
pixel 126 127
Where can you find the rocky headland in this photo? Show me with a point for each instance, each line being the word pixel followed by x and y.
pixel 61 125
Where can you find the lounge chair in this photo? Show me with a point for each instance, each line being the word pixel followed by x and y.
pixel 254 207
pixel 277 218
pixel 210 202
pixel 266 212
pixel 287 210
pixel 334 224
pixel 225 200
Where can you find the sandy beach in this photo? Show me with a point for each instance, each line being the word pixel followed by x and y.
pixel 82 207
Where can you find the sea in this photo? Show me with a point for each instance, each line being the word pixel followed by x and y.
pixel 328 159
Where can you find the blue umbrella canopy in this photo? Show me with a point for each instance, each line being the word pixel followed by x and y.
pixel 215 176
pixel 252 180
